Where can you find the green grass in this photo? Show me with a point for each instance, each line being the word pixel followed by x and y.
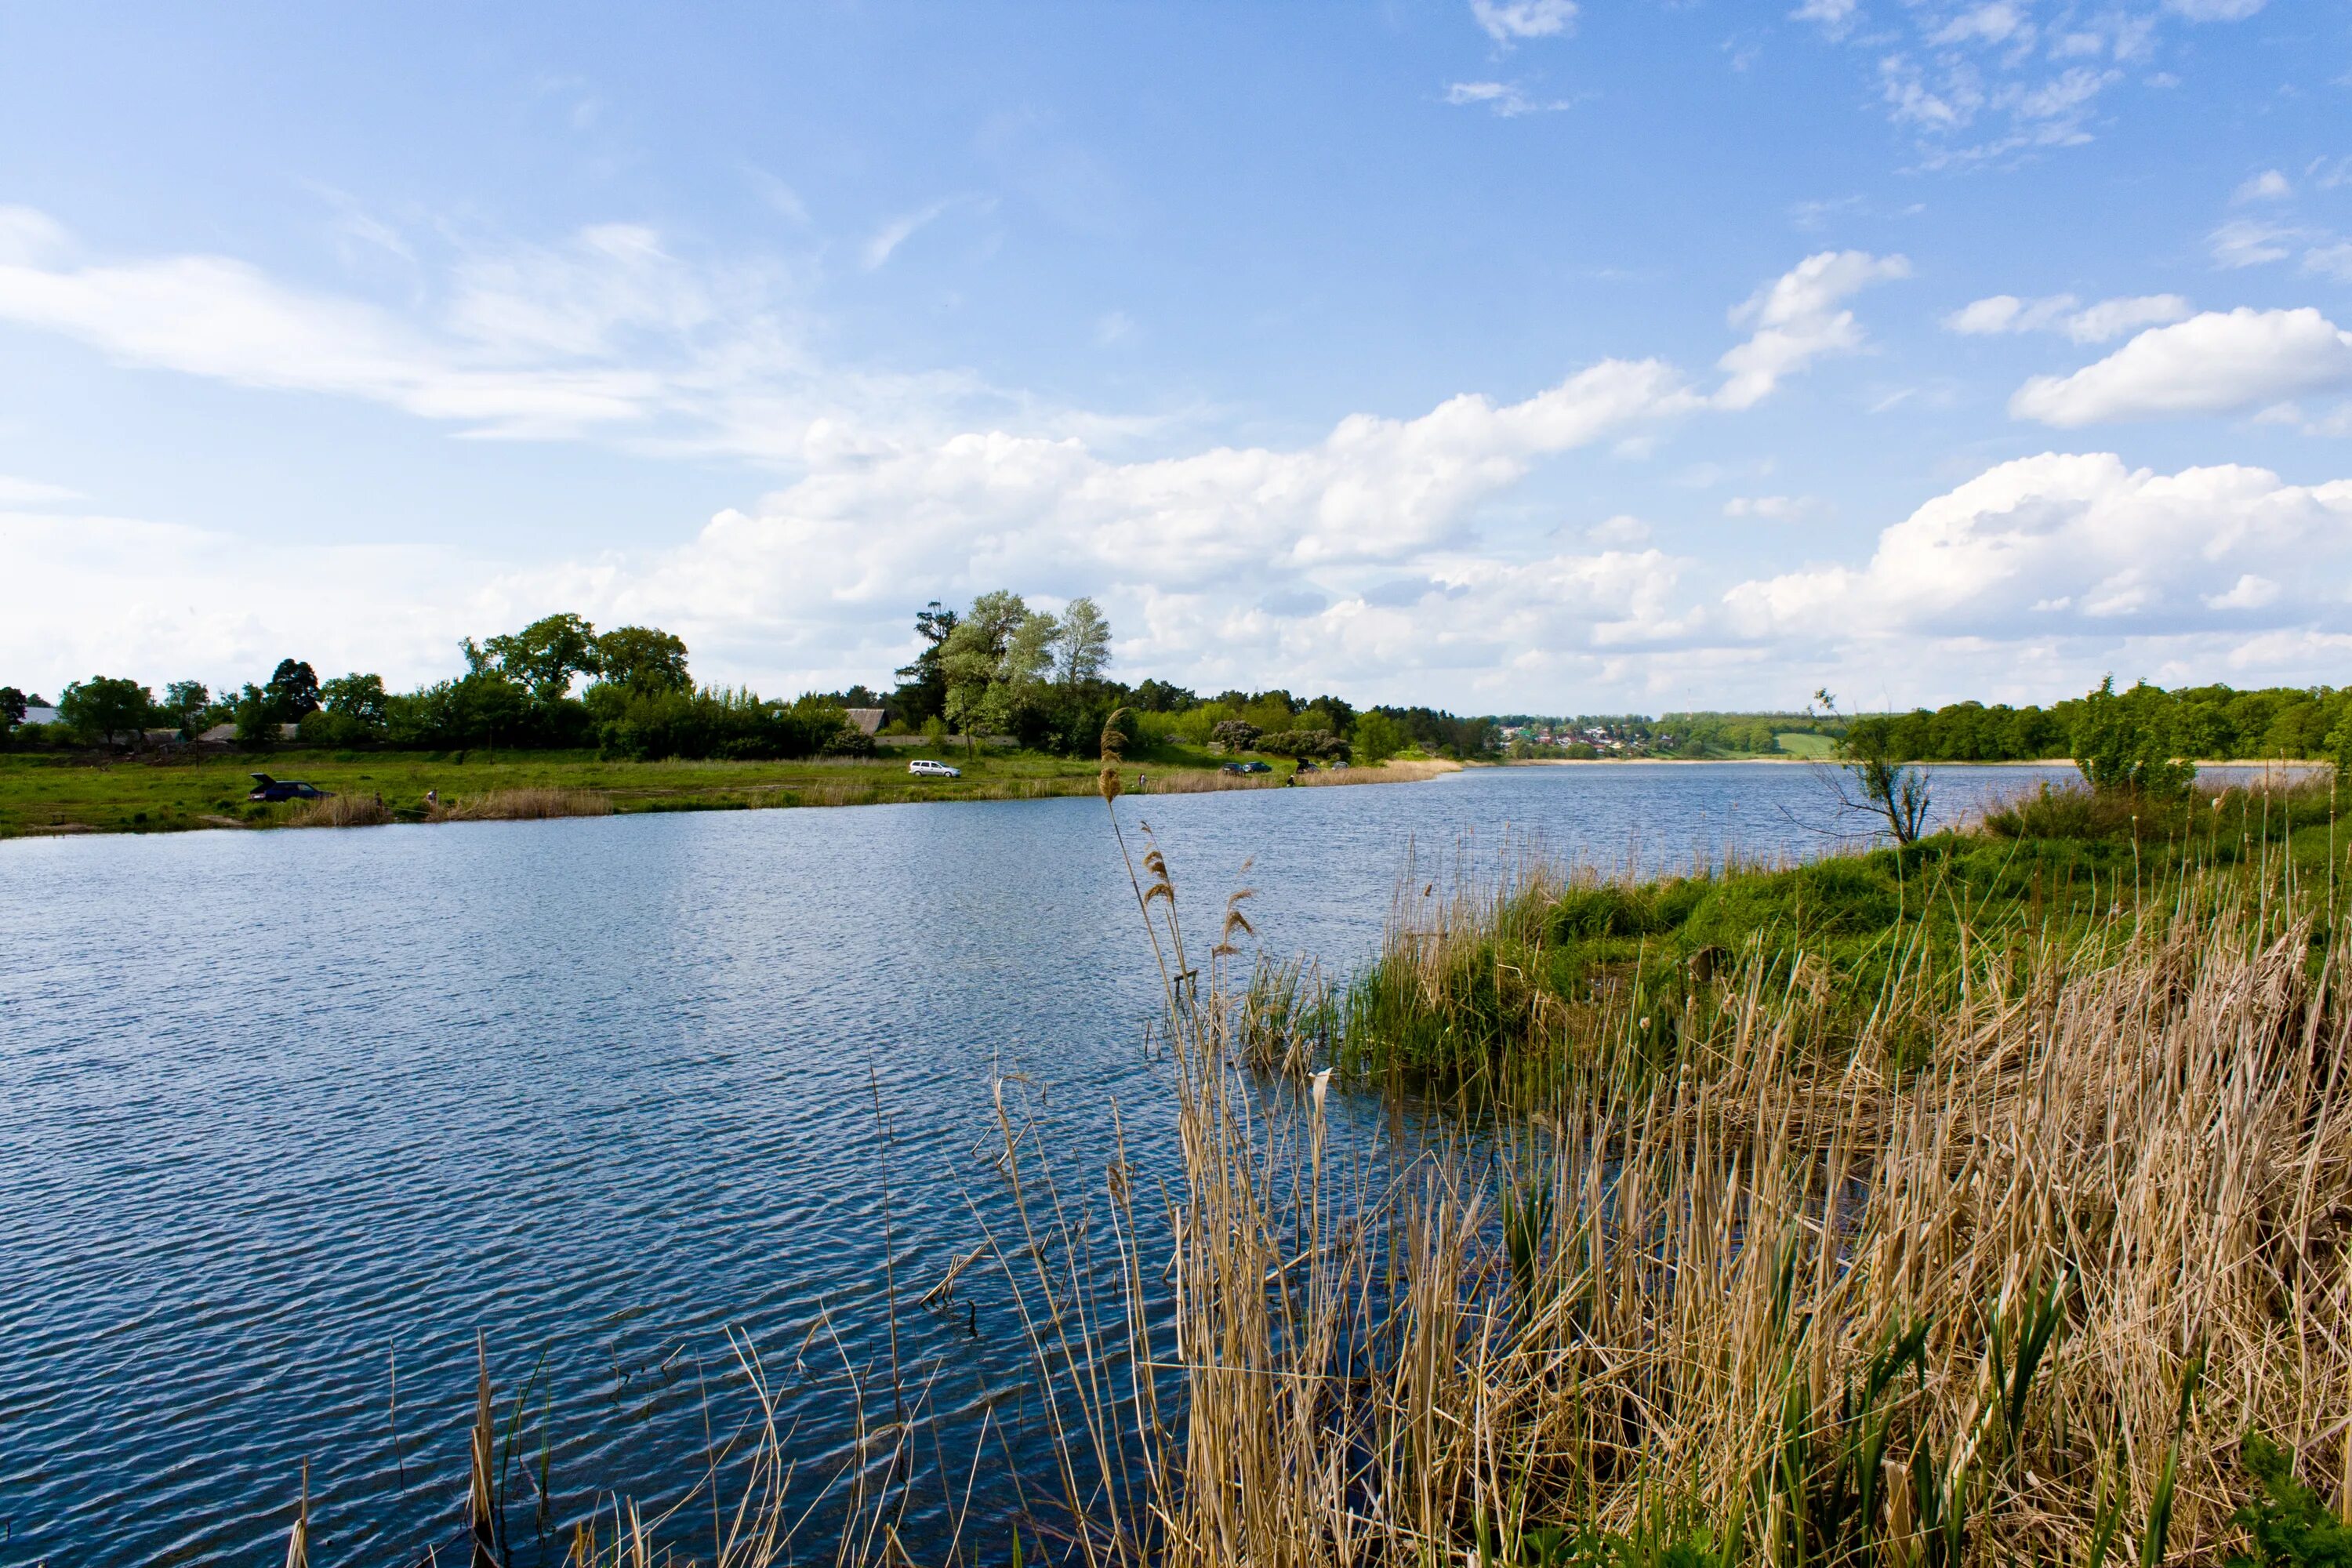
pixel 1804 744
pixel 44 791
pixel 1498 989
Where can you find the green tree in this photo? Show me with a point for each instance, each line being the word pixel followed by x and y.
pixel 1082 651
pixel 358 698
pixel 256 718
pixel 2129 743
pixel 293 690
pixel 102 708
pixel 188 701
pixel 643 658
pixel 11 710
pixel 973 661
pixel 1235 734
pixel 922 693
pixel 1378 738
pixel 1881 761
pixel 544 655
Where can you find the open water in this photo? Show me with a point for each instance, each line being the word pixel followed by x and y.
pixel 284 1115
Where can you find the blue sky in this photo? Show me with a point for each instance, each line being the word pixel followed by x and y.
pixel 1504 354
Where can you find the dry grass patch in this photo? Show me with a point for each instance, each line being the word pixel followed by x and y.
pixel 524 805
pixel 342 811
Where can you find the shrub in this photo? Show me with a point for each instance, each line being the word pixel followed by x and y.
pixel 2129 743
pixel 1235 734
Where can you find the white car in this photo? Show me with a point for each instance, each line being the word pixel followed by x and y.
pixel 924 768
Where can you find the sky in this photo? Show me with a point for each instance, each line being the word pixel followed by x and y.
pixel 1501 355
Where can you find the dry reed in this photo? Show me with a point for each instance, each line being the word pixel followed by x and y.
pixel 342 811
pixel 524 805
pixel 1780 1302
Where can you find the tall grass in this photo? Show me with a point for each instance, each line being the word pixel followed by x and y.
pixel 524 805
pixel 348 810
pixel 2007 1276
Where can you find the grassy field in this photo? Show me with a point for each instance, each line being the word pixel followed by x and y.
pixel 44 794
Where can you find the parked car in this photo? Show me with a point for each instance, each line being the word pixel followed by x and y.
pixel 1252 767
pixel 924 768
pixel 268 788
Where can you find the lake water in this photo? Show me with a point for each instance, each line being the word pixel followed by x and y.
pixel 286 1109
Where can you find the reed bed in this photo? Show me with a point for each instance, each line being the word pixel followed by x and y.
pixel 524 805
pixel 342 811
pixel 1395 770
pixel 2023 1294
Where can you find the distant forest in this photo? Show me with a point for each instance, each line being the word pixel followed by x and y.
pixel 999 670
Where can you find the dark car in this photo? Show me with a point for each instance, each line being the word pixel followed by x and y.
pixel 1249 767
pixel 268 788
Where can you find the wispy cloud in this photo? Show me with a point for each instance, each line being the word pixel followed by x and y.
pixel 1982 82
pixel 1505 21
pixel 886 239
pixel 2097 324
pixel 1502 98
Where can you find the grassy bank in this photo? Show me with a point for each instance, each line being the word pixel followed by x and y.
pixel 49 792
pixel 2026 1246
pixel 1499 979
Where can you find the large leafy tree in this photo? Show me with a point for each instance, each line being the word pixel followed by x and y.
pixel 973 660
pixel 188 701
pixel 643 658
pixel 1082 645
pixel 102 707
pixel 543 656
pixel 293 690
pixel 13 705
pixel 359 698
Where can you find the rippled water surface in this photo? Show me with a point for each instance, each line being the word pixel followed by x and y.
pixel 287 1111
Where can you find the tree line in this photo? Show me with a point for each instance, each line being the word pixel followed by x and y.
pixel 996 669
pixel 640 702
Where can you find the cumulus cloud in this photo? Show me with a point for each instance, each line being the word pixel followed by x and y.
pixel 1797 319
pixel 2212 364
pixel 1223 564
pixel 2097 323
pixel 2080 545
pixel 1506 20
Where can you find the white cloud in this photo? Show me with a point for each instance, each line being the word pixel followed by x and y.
pixel 2250 592
pixel 2211 364
pixel 2270 186
pixel 1503 97
pixel 2098 324
pixel 1835 16
pixel 1975 82
pixel 1995 23
pixel 1771 509
pixel 1506 20
pixel 606 334
pixel 2110 319
pixel 16 492
pixel 2078 546
pixel 1351 561
pixel 886 240
pixel 2334 261
pixel 2213 10
pixel 2243 242
pixel 1797 319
